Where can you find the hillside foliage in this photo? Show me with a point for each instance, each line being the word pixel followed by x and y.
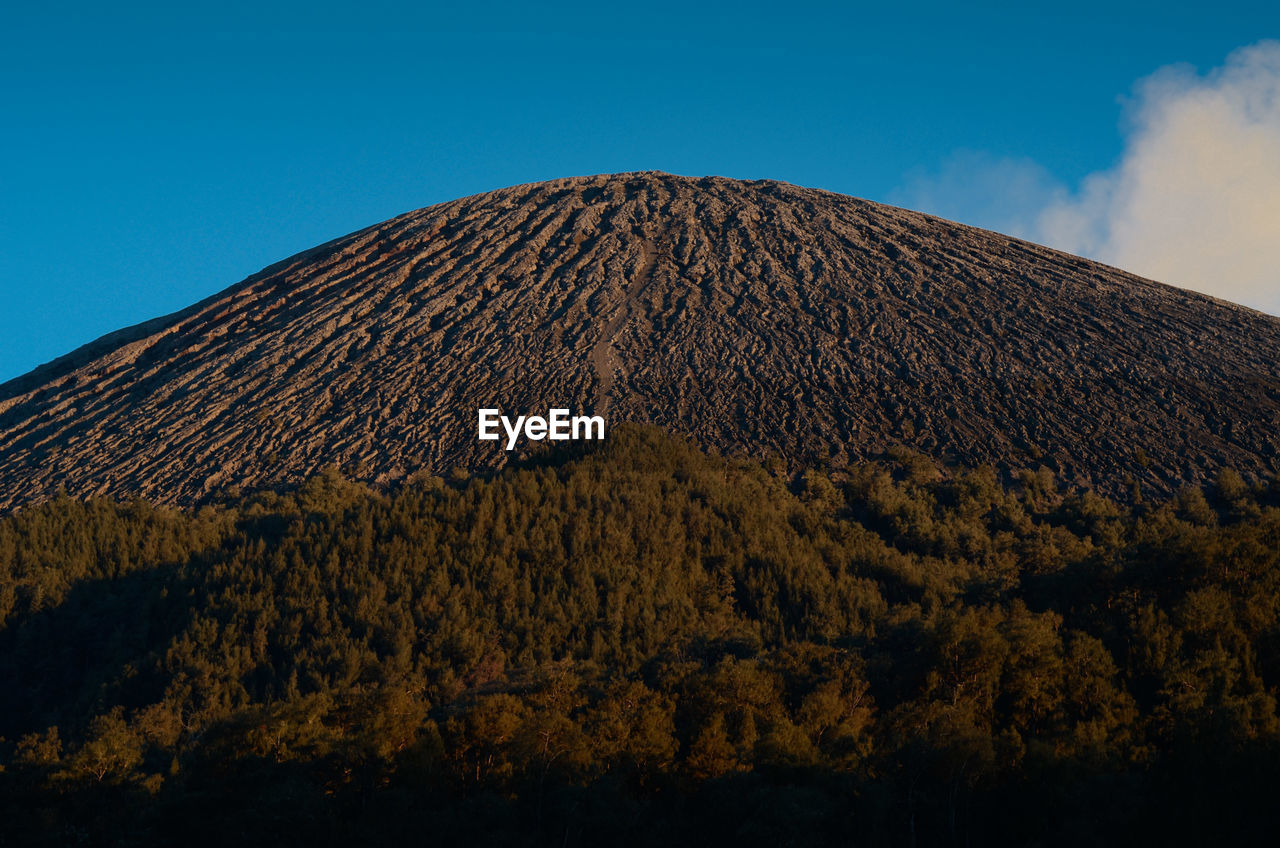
pixel 642 644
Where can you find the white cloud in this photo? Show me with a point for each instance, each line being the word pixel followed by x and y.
pixel 1194 200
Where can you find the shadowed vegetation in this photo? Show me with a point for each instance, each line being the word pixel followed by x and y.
pixel 641 644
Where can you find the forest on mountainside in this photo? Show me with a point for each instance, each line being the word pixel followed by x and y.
pixel 637 643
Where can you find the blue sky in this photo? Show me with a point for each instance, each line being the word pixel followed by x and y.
pixel 152 155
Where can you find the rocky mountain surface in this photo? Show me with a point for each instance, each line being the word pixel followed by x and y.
pixel 754 316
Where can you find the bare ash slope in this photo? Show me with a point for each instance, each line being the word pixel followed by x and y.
pixel 755 316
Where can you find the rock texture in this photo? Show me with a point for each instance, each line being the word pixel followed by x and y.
pixel 755 316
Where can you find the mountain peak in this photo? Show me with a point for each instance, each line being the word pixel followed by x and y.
pixel 754 316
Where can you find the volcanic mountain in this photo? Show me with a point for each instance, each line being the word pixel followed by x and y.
pixel 756 317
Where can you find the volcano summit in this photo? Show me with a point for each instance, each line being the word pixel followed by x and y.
pixel 754 316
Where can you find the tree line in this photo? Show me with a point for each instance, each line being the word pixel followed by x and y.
pixel 638 643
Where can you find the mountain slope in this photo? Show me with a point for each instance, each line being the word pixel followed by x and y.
pixel 754 316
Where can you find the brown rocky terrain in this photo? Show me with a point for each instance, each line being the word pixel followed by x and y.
pixel 755 316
